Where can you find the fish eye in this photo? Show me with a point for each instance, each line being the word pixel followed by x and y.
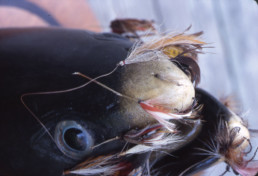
pixel 73 139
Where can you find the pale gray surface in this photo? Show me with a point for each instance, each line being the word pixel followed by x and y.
pixel 231 26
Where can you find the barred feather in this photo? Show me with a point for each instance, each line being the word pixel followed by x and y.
pixel 151 138
pixel 102 165
pixel 183 41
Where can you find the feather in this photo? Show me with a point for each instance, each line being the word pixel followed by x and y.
pixel 102 165
pixel 150 138
pixel 251 169
pixel 188 64
pixel 168 41
pixel 181 43
pixel 121 26
pixel 163 115
pixel 230 146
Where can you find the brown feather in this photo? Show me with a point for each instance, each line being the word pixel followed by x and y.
pixel 188 64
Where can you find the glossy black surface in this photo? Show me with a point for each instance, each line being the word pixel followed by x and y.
pixel 36 60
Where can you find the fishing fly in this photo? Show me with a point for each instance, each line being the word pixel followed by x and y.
pixel 157 93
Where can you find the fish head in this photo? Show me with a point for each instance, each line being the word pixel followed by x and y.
pixel 47 131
